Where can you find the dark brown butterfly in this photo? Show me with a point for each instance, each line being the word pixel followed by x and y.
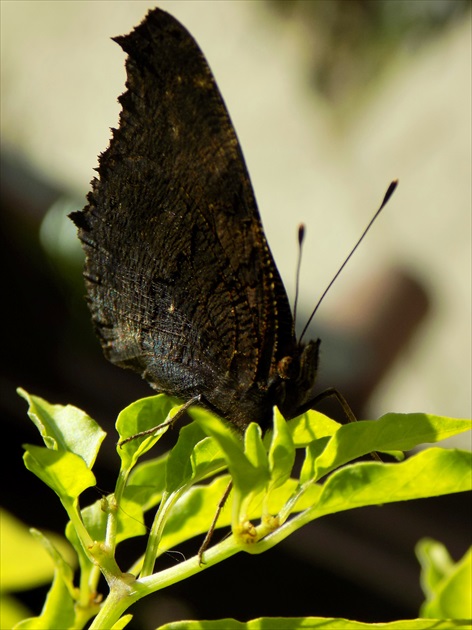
pixel 181 282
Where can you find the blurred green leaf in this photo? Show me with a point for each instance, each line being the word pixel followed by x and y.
pixel 12 611
pixel 24 561
pixel 446 584
pixel 58 611
pixel 436 564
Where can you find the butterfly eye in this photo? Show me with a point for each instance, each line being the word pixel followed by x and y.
pixel 287 368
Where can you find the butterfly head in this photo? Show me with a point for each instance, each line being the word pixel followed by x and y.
pixel 297 375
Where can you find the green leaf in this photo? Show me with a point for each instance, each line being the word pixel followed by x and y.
pixel 311 426
pixel 64 472
pixel 68 475
pixel 122 623
pixel 143 415
pixel 392 432
pixel 312 453
pixel 436 564
pixel 281 452
pixel 146 482
pixel 180 468
pixel 254 448
pixel 316 623
pixel 404 431
pixel 64 569
pixel 207 458
pixel 245 476
pixel 193 513
pixel 65 428
pixel 447 585
pixel 432 472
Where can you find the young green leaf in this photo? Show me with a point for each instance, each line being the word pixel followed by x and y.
pixel 281 452
pixel 207 458
pixel 311 426
pixel 65 428
pixel 391 432
pixel 193 513
pixel 142 415
pixel 66 473
pixel 146 482
pixel 179 469
pixel 432 472
pixel 245 475
pixel 312 453
pixel 254 448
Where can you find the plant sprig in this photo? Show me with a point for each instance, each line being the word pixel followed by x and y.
pixel 184 486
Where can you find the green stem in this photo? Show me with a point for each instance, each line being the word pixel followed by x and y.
pixel 166 504
pixel 290 504
pixel 279 534
pixel 121 596
pixel 114 501
pixel 71 507
pixel 126 591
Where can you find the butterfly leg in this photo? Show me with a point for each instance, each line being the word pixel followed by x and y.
pixel 332 392
pixel 193 401
pixel 211 531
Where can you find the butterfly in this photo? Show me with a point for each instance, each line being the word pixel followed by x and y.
pixel 180 279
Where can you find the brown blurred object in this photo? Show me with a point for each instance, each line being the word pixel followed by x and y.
pixel 351 41
pixel 383 315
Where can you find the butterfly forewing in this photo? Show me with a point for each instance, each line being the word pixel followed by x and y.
pixel 181 282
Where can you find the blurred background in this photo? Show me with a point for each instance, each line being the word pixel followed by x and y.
pixel 331 100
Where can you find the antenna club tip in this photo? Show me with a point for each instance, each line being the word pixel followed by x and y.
pixel 389 193
pixel 301 233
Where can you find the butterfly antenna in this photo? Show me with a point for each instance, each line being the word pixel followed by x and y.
pixel 386 198
pixel 301 237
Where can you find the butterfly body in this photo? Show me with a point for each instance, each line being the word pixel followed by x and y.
pixel 181 282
